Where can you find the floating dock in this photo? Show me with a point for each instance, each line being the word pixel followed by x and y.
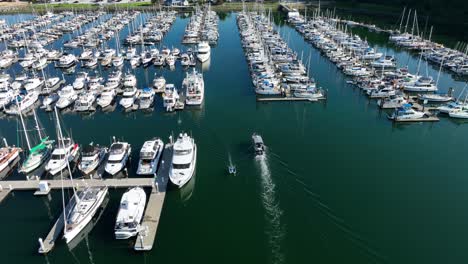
pixel 4 193
pixel 147 234
pixel 48 244
pixel 149 226
pixel 286 99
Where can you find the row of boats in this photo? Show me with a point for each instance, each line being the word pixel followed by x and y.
pixel 88 92
pixel 275 68
pixel 202 27
pixel 376 74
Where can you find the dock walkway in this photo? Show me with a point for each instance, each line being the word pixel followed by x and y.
pixel 147 235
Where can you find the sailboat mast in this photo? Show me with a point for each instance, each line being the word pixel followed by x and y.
pixel 37 125
pixel 24 127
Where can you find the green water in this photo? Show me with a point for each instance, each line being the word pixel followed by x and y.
pixel 341 184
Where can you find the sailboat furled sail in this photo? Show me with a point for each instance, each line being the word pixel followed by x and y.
pixel 39 153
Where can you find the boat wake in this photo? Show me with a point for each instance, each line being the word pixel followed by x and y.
pixel 273 212
pixel 318 202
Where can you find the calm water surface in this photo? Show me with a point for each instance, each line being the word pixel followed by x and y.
pixel 340 182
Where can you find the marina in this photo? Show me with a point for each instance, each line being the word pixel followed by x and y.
pixel 144 147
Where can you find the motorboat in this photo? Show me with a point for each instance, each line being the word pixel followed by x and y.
pixel 8 155
pixel 131 210
pixel 119 153
pixel 67 61
pixel 159 83
pixel 118 61
pixel 40 63
pixel 259 147
pixel 406 113
pixel 51 85
pixel 91 157
pixel 66 151
pixel 129 80
pixel 170 97
pixel 194 88
pixel 128 97
pixel 85 102
pixel 67 96
pixel 33 84
pixel 80 81
pixel 106 98
pixel 392 102
pixel 184 160
pixel 150 154
pixel 146 98
pixel 91 63
pixel 203 51
pixel 50 100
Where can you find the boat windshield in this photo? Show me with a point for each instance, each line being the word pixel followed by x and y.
pixel 181 166
pixel 182 151
pixel 57 157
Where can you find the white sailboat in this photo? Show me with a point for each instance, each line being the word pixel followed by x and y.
pixel 39 153
pixel 64 153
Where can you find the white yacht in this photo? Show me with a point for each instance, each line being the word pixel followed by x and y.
pixel 81 209
pixel 106 98
pixel 405 113
pixel 91 156
pixel 204 51
pixel 33 84
pixel 119 153
pixel 150 154
pixel 131 210
pixel 194 88
pixel 130 80
pixel 184 160
pixel 67 96
pixel 85 102
pixel 146 98
pixel 159 83
pixel 170 97
pixel 128 97
pixel 80 81
pixel 66 61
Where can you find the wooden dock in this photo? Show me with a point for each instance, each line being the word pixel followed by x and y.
pixel 147 234
pixel 286 99
pixel 48 244
pixel 3 194
pixel 33 185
